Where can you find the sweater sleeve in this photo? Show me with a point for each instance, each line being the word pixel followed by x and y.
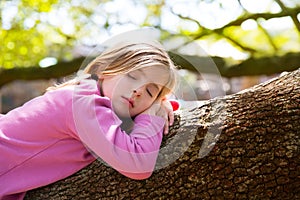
pixel 98 127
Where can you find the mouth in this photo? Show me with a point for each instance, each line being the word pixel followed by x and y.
pixel 130 101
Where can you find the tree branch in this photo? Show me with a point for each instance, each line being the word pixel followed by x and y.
pixel 202 31
pixel 264 65
pixel 238 44
pixel 252 66
pixel 265 16
pixel 268 37
pixel 242 146
pixel 291 14
pixel 34 73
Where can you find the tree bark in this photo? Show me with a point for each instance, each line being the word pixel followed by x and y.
pixel 242 146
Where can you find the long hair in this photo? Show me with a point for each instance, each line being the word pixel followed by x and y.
pixel 122 59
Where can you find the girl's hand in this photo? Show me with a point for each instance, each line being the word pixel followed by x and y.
pixel 164 109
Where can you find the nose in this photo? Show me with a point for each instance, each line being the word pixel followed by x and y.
pixel 137 92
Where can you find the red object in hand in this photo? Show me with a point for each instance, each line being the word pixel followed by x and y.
pixel 174 104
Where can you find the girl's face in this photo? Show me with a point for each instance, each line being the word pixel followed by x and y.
pixel 134 92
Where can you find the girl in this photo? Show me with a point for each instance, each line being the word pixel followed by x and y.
pixel 57 134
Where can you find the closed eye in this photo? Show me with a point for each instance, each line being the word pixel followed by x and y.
pixel 148 91
pixel 152 90
pixel 131 76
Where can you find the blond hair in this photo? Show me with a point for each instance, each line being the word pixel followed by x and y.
pixel 122 59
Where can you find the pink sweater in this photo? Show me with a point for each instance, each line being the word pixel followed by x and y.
pixel 52 136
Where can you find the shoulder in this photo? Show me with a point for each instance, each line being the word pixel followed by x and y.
pixel 86 96
pixel 85 87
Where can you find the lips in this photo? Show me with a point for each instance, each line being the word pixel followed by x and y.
pixel 130 101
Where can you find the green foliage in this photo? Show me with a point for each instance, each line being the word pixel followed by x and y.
pixel 33 29
pixel 38 5
pixel 30 35
pixel 23 44
pixel 250 38
pixel 21 48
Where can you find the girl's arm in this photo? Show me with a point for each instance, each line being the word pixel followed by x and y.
pixel 99 129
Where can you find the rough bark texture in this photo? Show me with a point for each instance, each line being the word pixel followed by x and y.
pixel 243 146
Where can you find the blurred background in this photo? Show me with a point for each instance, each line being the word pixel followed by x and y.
pixel 222 47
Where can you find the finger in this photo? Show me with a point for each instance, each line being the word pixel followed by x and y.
pixel 167 105
pixel 167 124
pixel 171 118
pixel 166 128
pixel 169 110
pixel 162 113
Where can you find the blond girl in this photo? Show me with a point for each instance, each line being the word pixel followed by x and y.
pixel 116 111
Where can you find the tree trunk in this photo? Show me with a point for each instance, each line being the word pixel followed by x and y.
pixel 242 146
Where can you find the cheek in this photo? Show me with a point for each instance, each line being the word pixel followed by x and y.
pixel 111 86
pixel 107 91
pixel 146 103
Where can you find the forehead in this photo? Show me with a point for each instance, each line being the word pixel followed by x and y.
pixel 155 74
